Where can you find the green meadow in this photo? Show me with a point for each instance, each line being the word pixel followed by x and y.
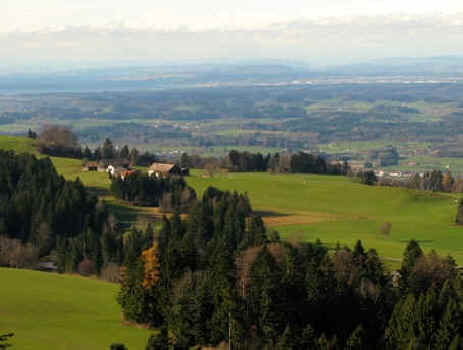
pixel 17 144
pixel 337 210
pixel 62 312
pixel 50 311
pixel 309 207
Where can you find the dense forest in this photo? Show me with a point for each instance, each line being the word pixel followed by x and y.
pixel 41 212
pixel 220 276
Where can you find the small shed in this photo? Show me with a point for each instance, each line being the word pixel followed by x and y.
pixel 91 166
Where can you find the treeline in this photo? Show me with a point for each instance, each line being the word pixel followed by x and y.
pixel 170 193
pixel 220 276
pixel 300 162
pixel 41 212
pixel 60 141
pixel 436 181
pixel 109 152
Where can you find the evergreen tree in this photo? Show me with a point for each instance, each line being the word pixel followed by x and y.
pixel 286 341
pixel 412 253
pixel 108 151
pixel 117 346
pixel 459 219
pixel 456 344
pixel 185 161
pixel 308 338
pixel 124 152
pixel 4 340
pixel 159 341
pixel 87 153
pixel 355 341
pixel 134 154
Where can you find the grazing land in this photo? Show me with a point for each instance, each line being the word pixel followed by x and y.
pixel 17 144
pixel 309 207
pixel 62 312
pixel 336 210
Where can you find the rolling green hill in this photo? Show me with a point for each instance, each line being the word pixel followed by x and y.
pixel 61 312
pixel 49 311
pixel 19 144
pixel 307 207
pixel 334 209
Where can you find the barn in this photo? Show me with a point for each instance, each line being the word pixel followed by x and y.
pixel 164 169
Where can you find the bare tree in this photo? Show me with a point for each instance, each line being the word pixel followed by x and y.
pixel 57 140
pixel 211 169
pixel 111 273
pixel 15 254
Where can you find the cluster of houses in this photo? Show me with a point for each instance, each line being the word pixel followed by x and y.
pixel 123 169
pixel 361 165
pixel 396 174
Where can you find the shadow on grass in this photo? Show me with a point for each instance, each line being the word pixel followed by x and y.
pixel 125 215
pixel 418 240
pixel 99 191
pixel 269 214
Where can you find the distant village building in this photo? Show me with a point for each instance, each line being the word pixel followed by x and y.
pixel 91 166
pixel 357 164
pixel 164 169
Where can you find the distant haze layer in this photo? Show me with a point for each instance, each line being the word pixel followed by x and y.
pixel 338 32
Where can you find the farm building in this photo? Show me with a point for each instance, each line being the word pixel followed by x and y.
pixel 116 163
pixel 91 166
pixel 164 169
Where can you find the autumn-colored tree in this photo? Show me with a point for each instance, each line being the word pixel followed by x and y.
pixel 447 182
pixel 152 266
pixel 87 267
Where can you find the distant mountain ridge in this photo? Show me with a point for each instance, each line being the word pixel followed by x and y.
pixel 229 73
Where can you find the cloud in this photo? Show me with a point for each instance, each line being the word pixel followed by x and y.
pixel 323 40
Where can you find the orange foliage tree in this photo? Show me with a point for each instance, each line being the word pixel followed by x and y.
pixel 152 266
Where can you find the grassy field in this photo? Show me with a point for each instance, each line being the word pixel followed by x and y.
pixel 48 311
pixel 307 207
pixel 334 209
pixel 62 312
pixel 17 144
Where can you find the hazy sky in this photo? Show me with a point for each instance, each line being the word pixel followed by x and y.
pixel 329 31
